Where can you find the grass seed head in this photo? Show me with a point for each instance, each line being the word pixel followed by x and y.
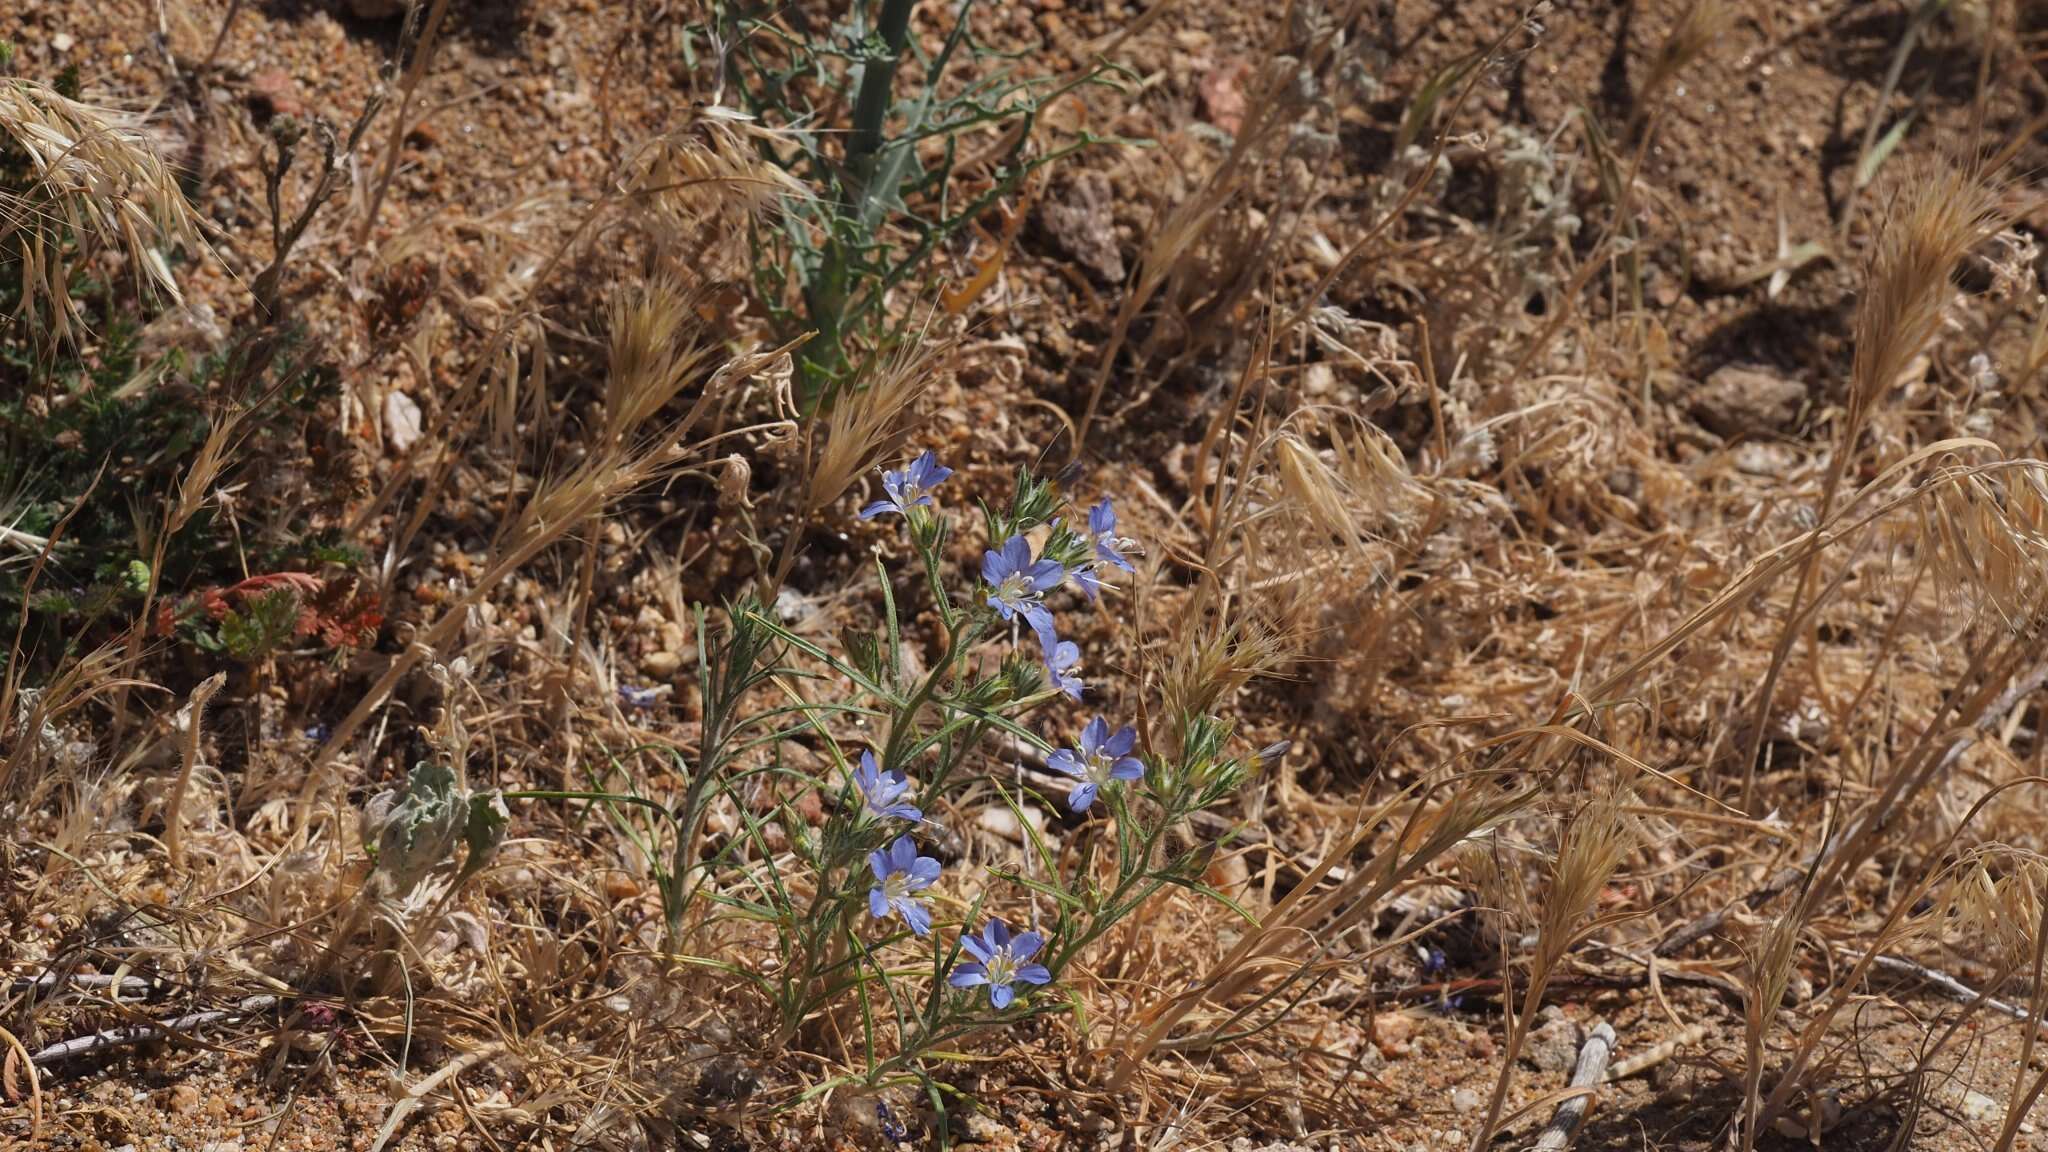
pixel 93 173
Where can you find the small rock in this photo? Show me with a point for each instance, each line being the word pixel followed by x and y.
pixel 1763 458
pixel 1554 1047
pixel 185 1097
pixel 1222 95
pixel 1081 224
pixel 1745 401
pixel 1464 1100
pixel 662 663
pixel 61 42
pixel 1391 1032
pixel 401 421
pixel 1982 1108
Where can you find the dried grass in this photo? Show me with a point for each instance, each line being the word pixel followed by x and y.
pixel 96 176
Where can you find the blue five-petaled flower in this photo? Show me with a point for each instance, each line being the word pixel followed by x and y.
pixel 1017 583
pixel 1107 547
pixel 900 873
pixel 910 488
pixel 1100 758
pixel 1000 962
pixel 882 793
pixel 1061 658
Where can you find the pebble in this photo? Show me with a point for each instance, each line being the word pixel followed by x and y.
pixel 1391 1032
pixel 1554 1047
pixel 1464 1100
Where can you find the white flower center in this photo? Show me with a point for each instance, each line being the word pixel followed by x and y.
pixel 1098 768
pixel 1002 967
pixel 897 886
pixel 1015 587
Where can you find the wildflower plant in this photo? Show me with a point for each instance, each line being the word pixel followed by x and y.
pixel 869 916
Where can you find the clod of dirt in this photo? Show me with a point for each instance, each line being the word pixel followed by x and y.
pixel 272 92
pixel 1745 401
pixel 1081 225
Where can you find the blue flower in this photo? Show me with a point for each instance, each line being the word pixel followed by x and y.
pixel 899 872
pixel 999 962
pixel 1060 657
pixel 633 697
pixel 909 488
pixel 1017 583
pixel 882 793
pixel 1101 758
pixel 1108 548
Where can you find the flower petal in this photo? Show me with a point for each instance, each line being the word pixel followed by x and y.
pixel 976 949
pixel 924 871
pixel 878 904
pixel 878 864
pixel 1082 797
pixel 1128 768
pixel 997 934
pixel 1017 554
pixel 877 508
pixel 1034 974
pixel 992 571
pixel 1120 744
pixel 967 975
pixel 902 854
pixel 909 812
pixel 1093 735
pixel 1026 945
pixel 1063 761
pixel 920 921
pixel 1000 996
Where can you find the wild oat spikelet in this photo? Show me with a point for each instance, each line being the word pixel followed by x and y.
pixel 657 348
pixel 715 165
pixel 1597 840
pixel 1996 904
pixel 1932 223
pixel 1988 533
pixel 1363 488
pixel 94 175
pixel 871 416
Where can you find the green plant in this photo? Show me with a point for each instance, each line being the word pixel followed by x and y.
pixel 886 176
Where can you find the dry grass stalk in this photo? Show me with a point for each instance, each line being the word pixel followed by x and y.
pixel 1286 938
pixel 555 510
pixel 191 730
pixel 97 176
pixel 1932 223
pixel 1595 843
